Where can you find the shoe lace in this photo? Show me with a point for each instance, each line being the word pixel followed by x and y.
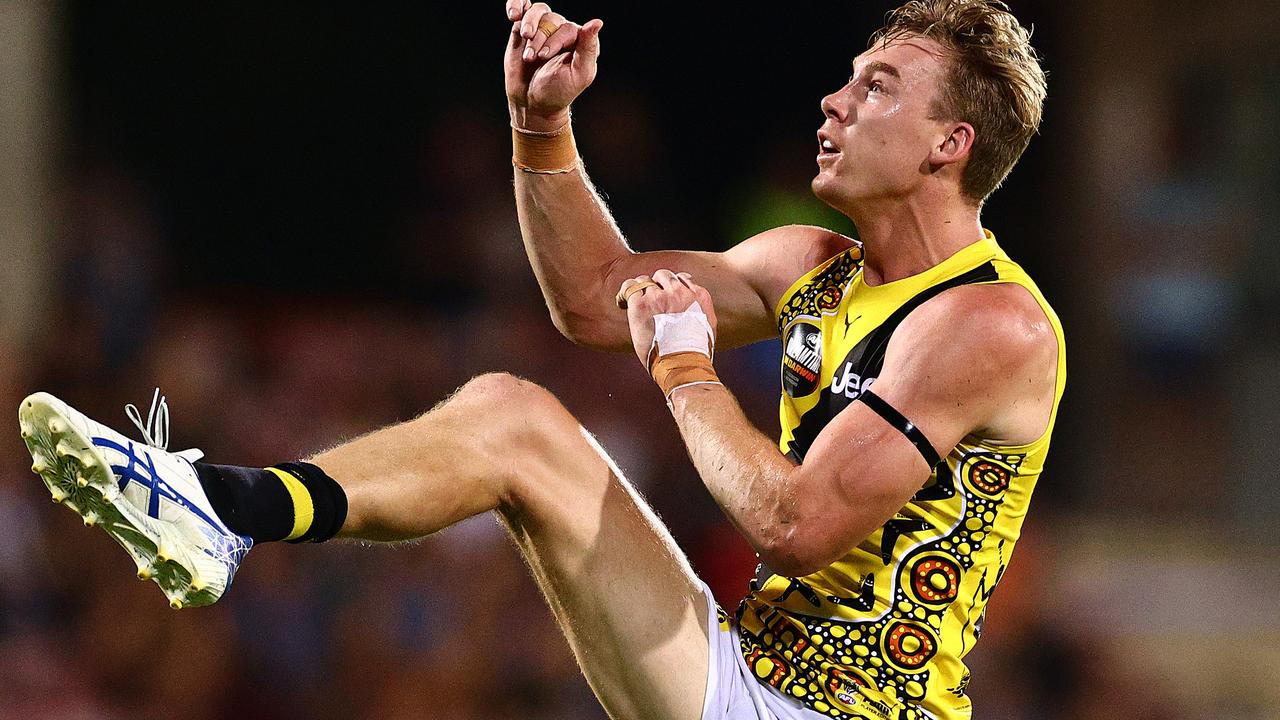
pixel 156 429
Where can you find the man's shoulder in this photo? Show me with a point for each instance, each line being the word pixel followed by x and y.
pixel 1004 315
pixel 979 337
pixel 984 354
pixel 776 258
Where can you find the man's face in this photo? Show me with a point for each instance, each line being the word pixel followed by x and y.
pixel 877 139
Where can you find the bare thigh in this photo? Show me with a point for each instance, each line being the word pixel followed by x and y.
pixel 621 590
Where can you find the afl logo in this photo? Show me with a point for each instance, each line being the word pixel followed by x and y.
pixel 802 360
pixel 829 299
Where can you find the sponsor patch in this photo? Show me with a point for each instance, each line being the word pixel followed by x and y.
pixel 802 359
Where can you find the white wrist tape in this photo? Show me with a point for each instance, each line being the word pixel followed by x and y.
pixel 687 331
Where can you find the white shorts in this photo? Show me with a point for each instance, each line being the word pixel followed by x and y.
pixel 733 693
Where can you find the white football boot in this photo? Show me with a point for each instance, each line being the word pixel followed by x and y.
pixel 146 498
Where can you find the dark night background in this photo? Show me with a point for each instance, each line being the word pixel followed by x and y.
pixel 297 219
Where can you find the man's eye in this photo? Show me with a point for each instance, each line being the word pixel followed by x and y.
pixel 875 86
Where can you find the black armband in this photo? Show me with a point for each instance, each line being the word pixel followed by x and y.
pixel 902 425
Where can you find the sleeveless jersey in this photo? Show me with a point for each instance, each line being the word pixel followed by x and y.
pixel 881 633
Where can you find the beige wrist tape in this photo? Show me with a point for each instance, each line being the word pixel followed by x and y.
pixel 677 370
pixel 545 153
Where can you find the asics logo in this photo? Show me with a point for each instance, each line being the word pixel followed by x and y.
pixel 142 470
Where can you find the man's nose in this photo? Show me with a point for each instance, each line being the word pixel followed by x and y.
pixel 833 107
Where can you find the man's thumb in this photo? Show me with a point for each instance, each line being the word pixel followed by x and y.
pixel 588 45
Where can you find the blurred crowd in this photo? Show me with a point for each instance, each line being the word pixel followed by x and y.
pixel 1145 586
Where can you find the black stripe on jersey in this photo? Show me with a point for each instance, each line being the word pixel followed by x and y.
pixel 867 359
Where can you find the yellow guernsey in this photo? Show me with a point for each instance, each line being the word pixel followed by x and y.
pixel 882 632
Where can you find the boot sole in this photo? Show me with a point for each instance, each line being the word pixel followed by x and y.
pixel 79 477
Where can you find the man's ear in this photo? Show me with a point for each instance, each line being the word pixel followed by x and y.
pixel 955 147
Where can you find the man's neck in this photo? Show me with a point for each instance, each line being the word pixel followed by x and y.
pixel 904 238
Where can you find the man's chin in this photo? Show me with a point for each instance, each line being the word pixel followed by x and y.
pixel 826 189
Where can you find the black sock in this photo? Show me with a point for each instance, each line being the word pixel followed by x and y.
pixel 293 501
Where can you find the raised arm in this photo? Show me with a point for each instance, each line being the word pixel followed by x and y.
pixel 578 253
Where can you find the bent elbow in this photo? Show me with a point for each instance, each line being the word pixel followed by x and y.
pixel 572 327
pixel 788 556
pixel 587 331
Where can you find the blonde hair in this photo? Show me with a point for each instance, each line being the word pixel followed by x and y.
pixel 995 82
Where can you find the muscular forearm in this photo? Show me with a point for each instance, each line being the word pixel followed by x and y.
pixel 573 242
pixel 741 467
pixel 774 503
pixel 799 518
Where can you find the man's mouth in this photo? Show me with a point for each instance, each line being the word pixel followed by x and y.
pixel 825 147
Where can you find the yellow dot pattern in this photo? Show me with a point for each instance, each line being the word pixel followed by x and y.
pixel 843 668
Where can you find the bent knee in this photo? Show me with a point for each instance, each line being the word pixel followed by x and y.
pixel 532 439
pixel 514 413
pixel 497 384
pixel 506 393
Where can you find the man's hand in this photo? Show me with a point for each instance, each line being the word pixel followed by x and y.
pixel 549 62
pixel 667 293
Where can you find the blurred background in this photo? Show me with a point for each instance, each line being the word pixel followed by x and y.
pixel 297 220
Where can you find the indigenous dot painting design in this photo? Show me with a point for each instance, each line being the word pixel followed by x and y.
pixel 823 293
pixel 880 667
pixel 882 632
